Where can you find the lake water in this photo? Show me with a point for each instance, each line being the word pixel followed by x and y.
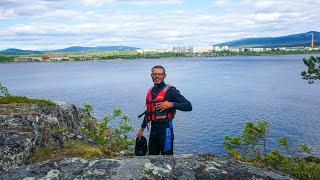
pixel 225 92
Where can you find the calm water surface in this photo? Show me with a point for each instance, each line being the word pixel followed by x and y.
pixel 225 93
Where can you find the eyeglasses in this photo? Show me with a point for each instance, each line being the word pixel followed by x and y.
pixel 157 74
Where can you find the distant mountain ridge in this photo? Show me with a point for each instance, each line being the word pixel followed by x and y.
pixel 18 51
pixel 72 49
pixel 294 40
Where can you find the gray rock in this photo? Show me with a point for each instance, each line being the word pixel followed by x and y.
pixel 25 127
pixel 148 167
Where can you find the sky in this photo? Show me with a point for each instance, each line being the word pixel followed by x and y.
pixel 55 24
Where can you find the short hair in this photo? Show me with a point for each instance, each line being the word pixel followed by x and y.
pixel 160 67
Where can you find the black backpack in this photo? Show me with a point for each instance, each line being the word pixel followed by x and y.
pixel 141 147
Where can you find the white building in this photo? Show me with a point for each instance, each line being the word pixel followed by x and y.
pixel 257 49
pixel 182 49
pixel 225 48
pixel 202 49
pixel 218 48
pixel 160 50
pixel 234 49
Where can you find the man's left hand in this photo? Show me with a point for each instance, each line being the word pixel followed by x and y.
pixel 164 105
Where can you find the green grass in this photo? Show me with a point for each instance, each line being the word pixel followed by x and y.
pixel 23 99
pixel 81 150
pixel 39 155
pixel 71 149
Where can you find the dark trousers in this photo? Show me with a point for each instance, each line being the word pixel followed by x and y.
pixel 161 140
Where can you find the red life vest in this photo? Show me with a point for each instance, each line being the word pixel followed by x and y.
pixel 151 112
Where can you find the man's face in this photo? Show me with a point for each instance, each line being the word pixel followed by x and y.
pixel 158 75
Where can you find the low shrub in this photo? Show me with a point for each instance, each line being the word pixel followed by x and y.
pixel 23 99
pixel 251 147
pixel 71 149
pixel 110 140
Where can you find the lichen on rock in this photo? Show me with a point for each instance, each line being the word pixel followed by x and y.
pixel 148 167
pixel 27 127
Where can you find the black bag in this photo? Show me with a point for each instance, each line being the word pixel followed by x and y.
pixel 141 146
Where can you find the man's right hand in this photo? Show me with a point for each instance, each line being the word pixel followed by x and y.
pixel 140 132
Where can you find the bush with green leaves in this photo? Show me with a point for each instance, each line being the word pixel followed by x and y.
pixel 4 91
pixel 251 146
pixel 313 72
pixel 87 107
pixel 251 143
pixel 110 140
pixel 6 58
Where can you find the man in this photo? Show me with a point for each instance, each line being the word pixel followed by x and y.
pixel 161 103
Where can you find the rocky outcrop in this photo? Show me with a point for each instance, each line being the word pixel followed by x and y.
pixel 149 167
pixel 25 127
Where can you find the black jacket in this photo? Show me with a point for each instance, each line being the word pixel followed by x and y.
pixel 173 95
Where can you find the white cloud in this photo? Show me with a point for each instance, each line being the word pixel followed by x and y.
pixel 60 14
pixel 7 13
pixel 99 3
pixel 154 2
pixel 220 3
pixel 52 25
pixel 265 4
pixel 24 8
pixel 267 16
pixel 92 3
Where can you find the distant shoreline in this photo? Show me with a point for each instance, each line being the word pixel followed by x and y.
pixel 130 59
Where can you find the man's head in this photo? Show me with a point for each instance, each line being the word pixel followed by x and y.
pixel 158 74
